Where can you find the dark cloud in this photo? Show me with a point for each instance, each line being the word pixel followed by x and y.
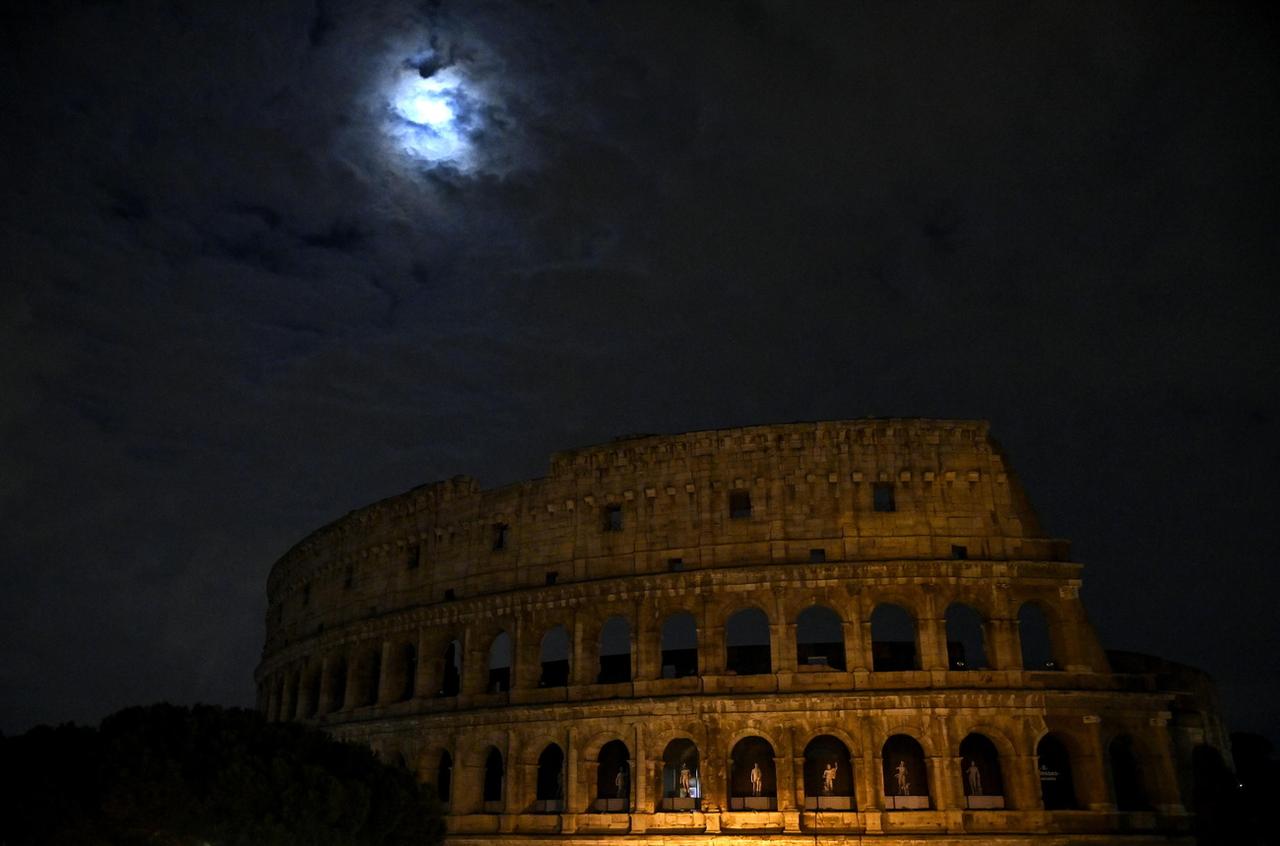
pixel 233 312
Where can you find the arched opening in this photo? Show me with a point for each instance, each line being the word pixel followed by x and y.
pixel 965 647
pixel 615 651
pixel 893 639
pixel 828 775
pixel 906 774
pixel 1033 635
pixel 549 789
pixel 500 663
pixel 337 684
pixel 555 658
pixel 372 676
pixel 613 778
pixel 408 670
pixel 494 776
pixel 451 673
pixel 681 776
pixel 980 772
pixel 820 638
pixel 313 694
pixel 679 646
pixel 746 637
pixel 444 777
pixel 1126 775
pixel 1054 763
pixel 753 783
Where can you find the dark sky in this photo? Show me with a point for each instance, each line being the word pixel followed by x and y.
pixel 234 308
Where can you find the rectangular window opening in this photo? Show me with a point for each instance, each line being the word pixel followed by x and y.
pixel 882 494
pixel 675 565
pixel 817 556
pixel 412 560
pixel 958 552
pixel 739 505
pixel 501 536
pixel 349 579
pixel 449 595
pixel 552 575
pixel 613 518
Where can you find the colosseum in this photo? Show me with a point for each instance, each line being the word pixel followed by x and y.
pixel 801 633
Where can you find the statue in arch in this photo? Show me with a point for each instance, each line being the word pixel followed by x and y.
pixel 975 778
pixel 686 781
pixel 904 783
pixel 620 782
pixel 757 780
pixel 829 777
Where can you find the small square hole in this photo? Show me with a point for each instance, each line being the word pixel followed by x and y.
pixel 959 553
pixel 675 565
pixel 817 556
pixel 412 560
pixel 449 595
pixel 739 505
pixel 552 575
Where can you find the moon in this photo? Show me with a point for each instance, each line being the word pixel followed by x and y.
pixel 434 116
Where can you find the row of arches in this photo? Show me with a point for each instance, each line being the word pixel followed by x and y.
pixel 390 672
pixel 827 776
pixel 749 650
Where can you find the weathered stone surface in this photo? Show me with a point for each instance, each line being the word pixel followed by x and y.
pixel 776 518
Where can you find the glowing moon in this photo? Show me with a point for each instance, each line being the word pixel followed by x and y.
pixel 432 118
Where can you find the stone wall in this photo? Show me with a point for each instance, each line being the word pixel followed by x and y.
pixel 366 614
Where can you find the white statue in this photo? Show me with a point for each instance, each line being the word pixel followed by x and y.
pixel 975 778
pixel 620 781
pixel 757 780
pixel 686 781
pixel 904 785
pixel 829 777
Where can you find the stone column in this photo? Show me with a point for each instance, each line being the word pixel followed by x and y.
pixel 646 647
pixel 389 674
pixel 854 651
pixel 1165 795
pixel 783 637
pixel 475 662
pixel 573 803
pixel 579 672
pixel 351 693
pixel 932 639
pixel 426 682
pixel 867 768
pixel 326 686
pixel 1001 644
pixel 1089 771
pixel 640 769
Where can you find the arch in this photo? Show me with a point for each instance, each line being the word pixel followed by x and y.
pixel 408 670
pixel 828 775
pixel 371 676
pixel 554 655
pixel 681 776
pixel 312 709
pixel 1035 639
pixel 906 774
pixel 966 646
pixel 549 784
pixel 820 638
pixel 500 663
pixel 615 651
pixel 893 639
pixel 337 684
pixel 1053 762
pixel 753 782
pixel 980 773
pixel 451 672
pixel 746 639
pixel 613 778
pixel 679 646
pixel 444 777
pixel 494 778
pixel 1126 775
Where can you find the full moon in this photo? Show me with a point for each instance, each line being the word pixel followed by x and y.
pixel 432 117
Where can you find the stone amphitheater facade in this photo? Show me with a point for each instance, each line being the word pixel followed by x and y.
pixel 799 633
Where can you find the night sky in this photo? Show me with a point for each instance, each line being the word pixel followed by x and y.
pixel 266 263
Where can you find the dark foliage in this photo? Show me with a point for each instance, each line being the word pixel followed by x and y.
pixel 169 776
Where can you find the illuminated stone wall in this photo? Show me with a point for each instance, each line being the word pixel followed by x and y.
pixel 366 613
